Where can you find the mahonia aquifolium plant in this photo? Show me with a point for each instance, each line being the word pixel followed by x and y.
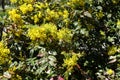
pixel 49 30
pixel 4 54
pixel 63 39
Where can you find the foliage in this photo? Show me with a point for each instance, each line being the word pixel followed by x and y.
pixel 65 39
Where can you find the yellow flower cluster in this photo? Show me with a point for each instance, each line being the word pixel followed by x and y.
pixel 49 31
pixel 40 5
pixel 110 72
pixel 22 1
pixel 37 17
pixel 29 1
pixel 99 14
pixel 4 54
pixel 51 14
pixel 37 33
pixel 14 16
pixel 42 32
pixel 112 50
pixel 65 14
pixel 13 1
pixel 71 62
pixel 39 11
pixel 26 8
pixel 78 2
pixel 64 34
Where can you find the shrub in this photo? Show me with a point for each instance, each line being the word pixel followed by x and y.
pixel 66 39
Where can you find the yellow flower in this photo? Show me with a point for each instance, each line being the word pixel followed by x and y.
pixel 37 33
pixel 46 4
pixel 64 34
pixel 13 1
pixel 23 8
pixel 100 14
pixel 38 6
pixel 35 18
pixel 51 14
pixel 65 14
pixel 26 7
pixel 4 54
pixel 39 14
pixel 13 11
pixel 29 1
pixel 79 2
pixel 43 32
pixel 110 72
pixel 112 50
pixel 60 13
pixel 17 16
pixel 51 29
pixel 30 7
pixel 14 16
pixel 71 62
pixel 41 5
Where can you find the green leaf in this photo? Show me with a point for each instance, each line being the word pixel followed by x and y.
pixel 52 58
pixel 111 39
pixel 86 13
pixel 102 33
pixel 84 32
